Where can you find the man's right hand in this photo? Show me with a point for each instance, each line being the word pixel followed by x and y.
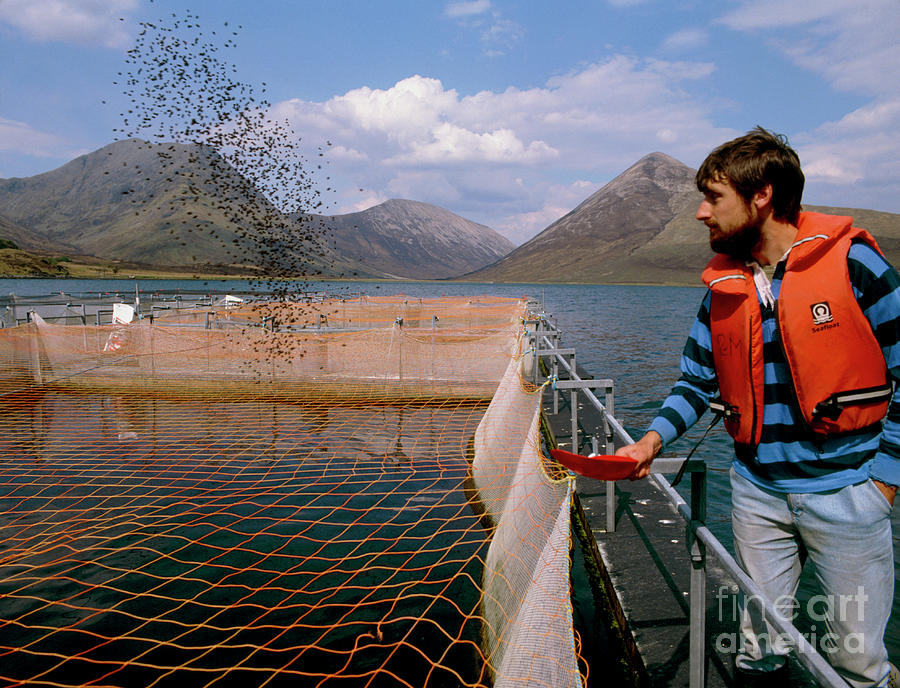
pixel 644 451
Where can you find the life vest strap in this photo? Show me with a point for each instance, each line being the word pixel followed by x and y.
pixel 831 408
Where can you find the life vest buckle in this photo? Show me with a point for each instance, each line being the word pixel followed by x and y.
pixel 830 408
pixel 724 409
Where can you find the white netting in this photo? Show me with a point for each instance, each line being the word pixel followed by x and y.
pixel 527 600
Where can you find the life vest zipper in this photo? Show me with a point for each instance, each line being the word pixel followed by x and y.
pixel 754 418
pixel 831 408
pixel 787 362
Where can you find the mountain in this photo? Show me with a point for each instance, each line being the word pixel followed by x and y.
pixel 151 204
pixel 401 238
pixel 27 240
pixel 641 228
pixel 598 240
pixel 185 206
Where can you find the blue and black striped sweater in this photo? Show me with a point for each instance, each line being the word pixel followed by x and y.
pixel 789 458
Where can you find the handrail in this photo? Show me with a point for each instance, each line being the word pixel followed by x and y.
pixel 13 308
pixel 806 654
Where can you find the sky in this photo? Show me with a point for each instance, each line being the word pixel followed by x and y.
pixel 507 112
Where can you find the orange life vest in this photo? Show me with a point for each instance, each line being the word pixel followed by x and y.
pixel 837 367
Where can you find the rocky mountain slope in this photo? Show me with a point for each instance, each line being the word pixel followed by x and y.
pixel 595 241
pixel 186 207
pixel 412 239
pixel 166 205
pixel 170 205
pixel 641 228
pixel 28 240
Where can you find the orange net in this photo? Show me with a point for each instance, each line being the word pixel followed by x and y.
pixel 240 506
pixel 384 348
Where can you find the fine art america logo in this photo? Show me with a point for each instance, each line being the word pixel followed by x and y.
pixel 819 612
pixel 821 313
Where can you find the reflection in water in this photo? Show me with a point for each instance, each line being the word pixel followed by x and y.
pixel 144 540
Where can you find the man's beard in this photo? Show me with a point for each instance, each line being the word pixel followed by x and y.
pixel 740 242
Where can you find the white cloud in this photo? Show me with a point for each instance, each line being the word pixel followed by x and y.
pixel 344 153
pixel 852 44
pixel 84 22
pixel 764 14
pixel 667 136
pixel 829 167
pixel 497 33
pixel 878 116
pixel 855 160
pixel 520 227
pixel 364 203
pixel 430 185
pixel 501 36
pixel 451 143
pixel 466 8
pixel 857 157
pixel 685 39
pixel 681 71
pixel 403 113
pixel 19 137
pixel 414 122
pixel 491 156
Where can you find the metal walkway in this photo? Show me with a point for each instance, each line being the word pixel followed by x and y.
pixel 670 587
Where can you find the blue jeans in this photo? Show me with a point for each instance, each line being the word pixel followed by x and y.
pixel 847 536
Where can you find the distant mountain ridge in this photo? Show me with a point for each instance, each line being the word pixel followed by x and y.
pixel 590 243
pixel 26 239
pixel 182 205
pixel 125 202
pixel 641 228
pixel 413 239
pixel 171 205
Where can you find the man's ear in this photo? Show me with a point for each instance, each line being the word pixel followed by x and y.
pixel 762 199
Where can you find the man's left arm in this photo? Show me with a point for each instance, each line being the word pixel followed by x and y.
pixel 876 285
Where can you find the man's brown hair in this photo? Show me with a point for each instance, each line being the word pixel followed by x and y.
pixel 750 162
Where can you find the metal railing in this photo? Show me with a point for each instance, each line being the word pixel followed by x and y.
pixel 97 308
pixel 701 541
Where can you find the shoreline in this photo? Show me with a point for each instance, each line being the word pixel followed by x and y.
pixel 176 275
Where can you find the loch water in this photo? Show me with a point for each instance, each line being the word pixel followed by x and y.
pixel 631 334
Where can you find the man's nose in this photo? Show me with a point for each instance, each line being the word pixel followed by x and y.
pixel 704 211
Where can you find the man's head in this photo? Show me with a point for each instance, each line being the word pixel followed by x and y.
pixel 744 182
pixel 751 162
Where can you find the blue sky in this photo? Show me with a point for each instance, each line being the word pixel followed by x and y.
pixel 507 112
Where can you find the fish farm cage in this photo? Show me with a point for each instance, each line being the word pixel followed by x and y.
pixel 217 491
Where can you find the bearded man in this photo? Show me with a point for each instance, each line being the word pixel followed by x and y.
pixel 797 345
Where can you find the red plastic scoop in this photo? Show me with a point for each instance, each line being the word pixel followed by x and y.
pixel 600 466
